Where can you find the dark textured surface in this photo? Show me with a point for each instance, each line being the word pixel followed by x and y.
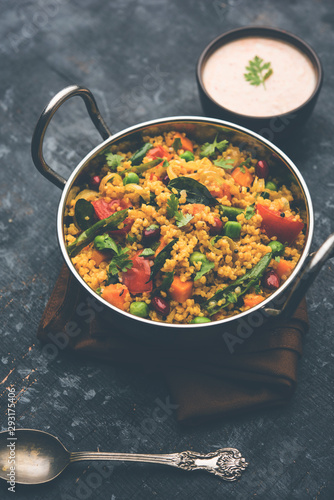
pixel 110 46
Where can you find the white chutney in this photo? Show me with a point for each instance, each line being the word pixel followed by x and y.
pixel 293 80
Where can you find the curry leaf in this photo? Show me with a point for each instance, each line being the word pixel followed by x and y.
pixel 177 144
pixel 138 156
pixel 161 258
pixel 166 282
pixel 83 214
pixel 196 192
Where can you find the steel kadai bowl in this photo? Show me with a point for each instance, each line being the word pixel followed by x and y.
pixel 282 303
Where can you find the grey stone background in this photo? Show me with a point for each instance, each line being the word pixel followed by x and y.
pixel 110 47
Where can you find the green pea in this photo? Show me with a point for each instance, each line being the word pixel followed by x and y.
pixel 271 185
pixel 131 178
pixel 139 309
pixel 277 248
pixel 188 156
pixel 232 229
pixel 200 319
pixel 197 257
pixel 99 240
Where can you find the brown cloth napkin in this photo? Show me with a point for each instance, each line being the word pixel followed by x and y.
pixel 205 381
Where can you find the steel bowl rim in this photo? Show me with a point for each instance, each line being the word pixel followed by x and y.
pixel 208 121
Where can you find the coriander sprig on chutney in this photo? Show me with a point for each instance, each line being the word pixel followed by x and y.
pixel 255 74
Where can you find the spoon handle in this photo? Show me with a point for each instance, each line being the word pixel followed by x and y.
pixel 226 463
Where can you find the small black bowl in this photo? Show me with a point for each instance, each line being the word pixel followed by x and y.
pixel 276 128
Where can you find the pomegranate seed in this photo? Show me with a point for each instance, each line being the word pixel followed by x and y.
pixel 165 180
pixel 160 305
pixel 262 169
pixel 271 280
pixel 151 234
pixel 95 182
pixel 216 227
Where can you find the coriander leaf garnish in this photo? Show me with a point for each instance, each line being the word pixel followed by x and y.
pixel 206 266
pixel 173 211
pixel 255 74
pixel 250 211
pixel 120 262
pixel 247 163
pixel 105 242
pixel 114 161
pixel 232 298
pixel 225 164
pixel 208 149
pixel 172 206
pixel 182 220
pixel 177 144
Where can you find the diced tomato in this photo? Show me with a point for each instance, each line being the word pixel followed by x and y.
pixel 187 145
pixel 285 228
pixel 158 152
pixel 137 278
pixel 125 230
pixel 104 209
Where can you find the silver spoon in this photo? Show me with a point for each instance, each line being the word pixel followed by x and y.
pixel 40 457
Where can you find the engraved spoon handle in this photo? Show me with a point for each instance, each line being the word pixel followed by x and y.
pixel 226 463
